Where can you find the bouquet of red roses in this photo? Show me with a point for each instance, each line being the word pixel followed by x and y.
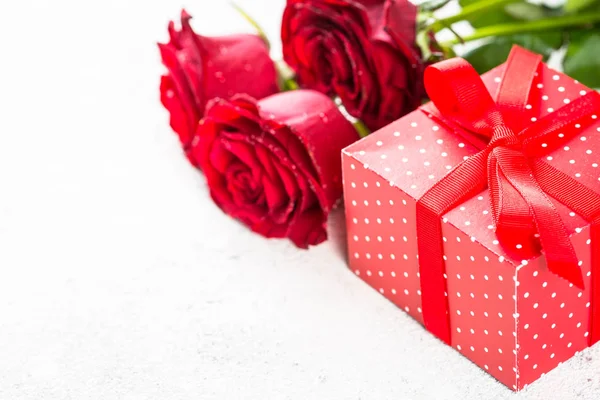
pixel 267 136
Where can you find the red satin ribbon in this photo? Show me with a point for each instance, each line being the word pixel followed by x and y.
pixel 509 164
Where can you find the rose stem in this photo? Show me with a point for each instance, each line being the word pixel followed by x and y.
pixel 469 12
pixel 547 24
pixel 285 76
pixel 361 128
pixel 259 30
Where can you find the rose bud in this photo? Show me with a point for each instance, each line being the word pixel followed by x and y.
pixel 364 51
pixel 201 68
pixel 275 164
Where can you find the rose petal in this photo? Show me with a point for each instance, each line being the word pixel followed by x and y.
pixel 238 59
pixel 220 157
pixel 245 153
pixel 308 229
pixel 364 51
pixel 275 164
pixel 323 132
pixel 270 229
pixel 245 190
pixel 400 23
pixel 178 83
pixel 201 68
pixel 180 120
pixel 277 200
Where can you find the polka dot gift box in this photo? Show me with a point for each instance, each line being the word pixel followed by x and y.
pixel 479 214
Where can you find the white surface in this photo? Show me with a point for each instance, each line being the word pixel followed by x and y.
pixel 120 278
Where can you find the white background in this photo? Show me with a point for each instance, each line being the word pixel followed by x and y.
pixel 121 280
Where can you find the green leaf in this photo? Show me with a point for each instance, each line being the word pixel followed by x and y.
pixel 432 5
pixel 494 53
pixel 423 19
pixel 572 6
pixel 423 44
pixel 514 12
pixel 488 18
pixel 582 61
pixel 530 12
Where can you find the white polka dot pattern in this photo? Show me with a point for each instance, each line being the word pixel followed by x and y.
pixel 480 297
pixel 554 315
pixel 509 315
pixel 384 263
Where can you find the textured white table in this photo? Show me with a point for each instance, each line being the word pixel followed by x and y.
pixel 121 280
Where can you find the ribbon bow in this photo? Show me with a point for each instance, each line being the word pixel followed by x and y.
pixel 509 164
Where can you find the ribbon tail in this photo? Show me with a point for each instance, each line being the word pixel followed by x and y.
pixel 585 202
pixel 515 225
pixel 513 92
pixel 558 249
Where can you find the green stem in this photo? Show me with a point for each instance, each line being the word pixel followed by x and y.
pixel 468 12
pixel 291 84
pixel 285 76
pixel 361 128
pixel 259 30
pixel 533 26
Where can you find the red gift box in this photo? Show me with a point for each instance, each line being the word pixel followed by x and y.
pixel 507 276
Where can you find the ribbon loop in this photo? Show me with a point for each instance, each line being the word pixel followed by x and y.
pixel 514 91
pixel 459 94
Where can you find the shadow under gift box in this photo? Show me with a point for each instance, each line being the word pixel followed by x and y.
pixel 511 317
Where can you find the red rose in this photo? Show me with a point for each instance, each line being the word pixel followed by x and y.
pixel 275 164
pixel 201 68
pixel 362 50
